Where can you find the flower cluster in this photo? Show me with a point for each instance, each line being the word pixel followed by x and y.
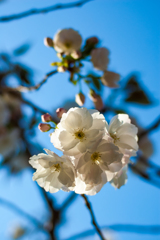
pixel 94 152
pixel 68 45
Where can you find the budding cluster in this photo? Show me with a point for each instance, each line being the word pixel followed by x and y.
pixel 70 50
pixel 94 152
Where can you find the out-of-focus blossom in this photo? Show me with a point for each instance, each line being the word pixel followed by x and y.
pixel 9 141
pixel 4 113
pixel 18 162
pixel 78 130
pixel 123 133
pixel 99 58
pixel 67 40
pixel 110 79
pixel 60 112
pixel 53 172
pixel 80 99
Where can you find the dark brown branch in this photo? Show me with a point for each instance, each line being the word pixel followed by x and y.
pixel 94 222
pixel 42 10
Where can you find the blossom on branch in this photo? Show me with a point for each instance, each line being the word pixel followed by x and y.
pixel 67 41
pixel 99 58
pixel 78 130
pixel 123 133
pixel 53 172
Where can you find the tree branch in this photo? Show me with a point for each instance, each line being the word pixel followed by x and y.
pixel 141 229
pixel 68 201
pixel 36 87
pixel 94 222
pixel 42 10
pixel 22 213
pixel 153 126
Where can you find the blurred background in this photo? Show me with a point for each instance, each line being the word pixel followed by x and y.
pixel 130 30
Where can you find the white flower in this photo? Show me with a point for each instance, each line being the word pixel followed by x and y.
pixel 123 133
pixel 67 40
pixel 120 178
pixel 78 130
pixel 99 58
pixel 4 113
pixel 98 165
pixel 110 79
pixel 53 172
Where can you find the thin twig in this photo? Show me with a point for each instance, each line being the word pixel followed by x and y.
pixel 153 126
pixel 141 229
pixel 37 86
pixel 68 201
pixel 43 10
pixel 94 222
pixel 22 213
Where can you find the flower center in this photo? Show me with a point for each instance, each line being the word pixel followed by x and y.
pixel 80 135
pixel 55 168
pixel 68 44
pixel 96 157
pixel 114 136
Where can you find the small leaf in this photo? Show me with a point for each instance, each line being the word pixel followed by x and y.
pixel 138 97
pixel 96 83
pixel 22 49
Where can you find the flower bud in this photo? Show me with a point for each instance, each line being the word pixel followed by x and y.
pixel 60 112
pixel 97 100
pixel 43 127
pixel 48 42
pixel 46 117
pixel 92 40
pixel 61 69
pixel 80 99
pixel 76 54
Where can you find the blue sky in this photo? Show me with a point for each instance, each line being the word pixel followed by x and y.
pixel 130 30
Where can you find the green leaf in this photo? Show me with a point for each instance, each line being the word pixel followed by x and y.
pixel 22 49
pixel 96 83
pixel 138 97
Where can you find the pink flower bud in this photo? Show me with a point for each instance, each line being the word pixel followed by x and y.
pixel 60 112
pixel 99 103
pixel 48 42
pixel 43 127
pixel 92 40
pixel 97 100
pixel 46 117
pixel 80 99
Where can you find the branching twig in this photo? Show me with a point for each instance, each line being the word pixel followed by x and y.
pixel 36 87
pixel 43 10
pixel 94 222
